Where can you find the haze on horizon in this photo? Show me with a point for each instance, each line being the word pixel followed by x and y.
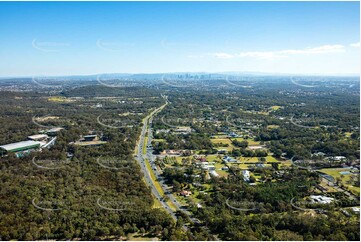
pixel 85 38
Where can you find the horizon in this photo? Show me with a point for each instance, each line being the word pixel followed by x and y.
pixel 235 73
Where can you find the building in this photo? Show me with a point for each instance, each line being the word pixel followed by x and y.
pixel 246 175
pixel 356 210
pixel 321 199
pixel 209 167
pixel 339 158
pixel 183 130
pixel 185 193
pixel 89 140
pixel 20 148
pixel 90 137
pixel 222 151
pixel 54 131
pixel 233 135
pixel 214 173
pixel 38 137
pixel 230 159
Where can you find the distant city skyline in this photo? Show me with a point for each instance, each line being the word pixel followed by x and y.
pixel 88 38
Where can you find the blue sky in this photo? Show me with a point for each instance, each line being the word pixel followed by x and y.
pixel 66 38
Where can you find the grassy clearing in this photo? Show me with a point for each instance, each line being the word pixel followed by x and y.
pixel 221 140
pixel 220 136
pixel 286 163
pixel 139 237
pixel 211 158
pixel 172 206
pixel 157 204
pixel 250 141
pixel 159 140
pixel 273 126
pixel 59 99
pixel 275 108
pixel 270 158
pixel 154 179
pixel 224 143
pixel 250 159
pixel 348 134
pixel 144 150
pixel 335 173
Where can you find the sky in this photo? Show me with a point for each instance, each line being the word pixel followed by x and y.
pixel 84 38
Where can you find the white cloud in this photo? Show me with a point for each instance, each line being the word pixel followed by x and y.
pixel 357 45
pixel 324 49
pixel 222 55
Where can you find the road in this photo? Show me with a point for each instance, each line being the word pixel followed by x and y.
pixel 142 162
pixel 157 174
pixel 141 158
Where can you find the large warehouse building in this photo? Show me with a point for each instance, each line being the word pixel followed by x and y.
pixel 19 147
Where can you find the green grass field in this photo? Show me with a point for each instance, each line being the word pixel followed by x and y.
pixel 250 141
pixel 159 140
pixel 274 108
pixel 154 179
pixel 250 159
pixel 335 173
pixel 270 158
pixel 223 142
pixel 272 126
pixel 144 150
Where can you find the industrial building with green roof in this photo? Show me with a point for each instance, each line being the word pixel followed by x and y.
pixel 19 146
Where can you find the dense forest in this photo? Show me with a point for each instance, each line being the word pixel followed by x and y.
pixel 68 199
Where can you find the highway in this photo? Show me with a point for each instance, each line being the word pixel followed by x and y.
pixel 141 158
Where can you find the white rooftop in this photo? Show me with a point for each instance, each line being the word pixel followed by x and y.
pixel 37 136
pixel 19 145
pixel 322 199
